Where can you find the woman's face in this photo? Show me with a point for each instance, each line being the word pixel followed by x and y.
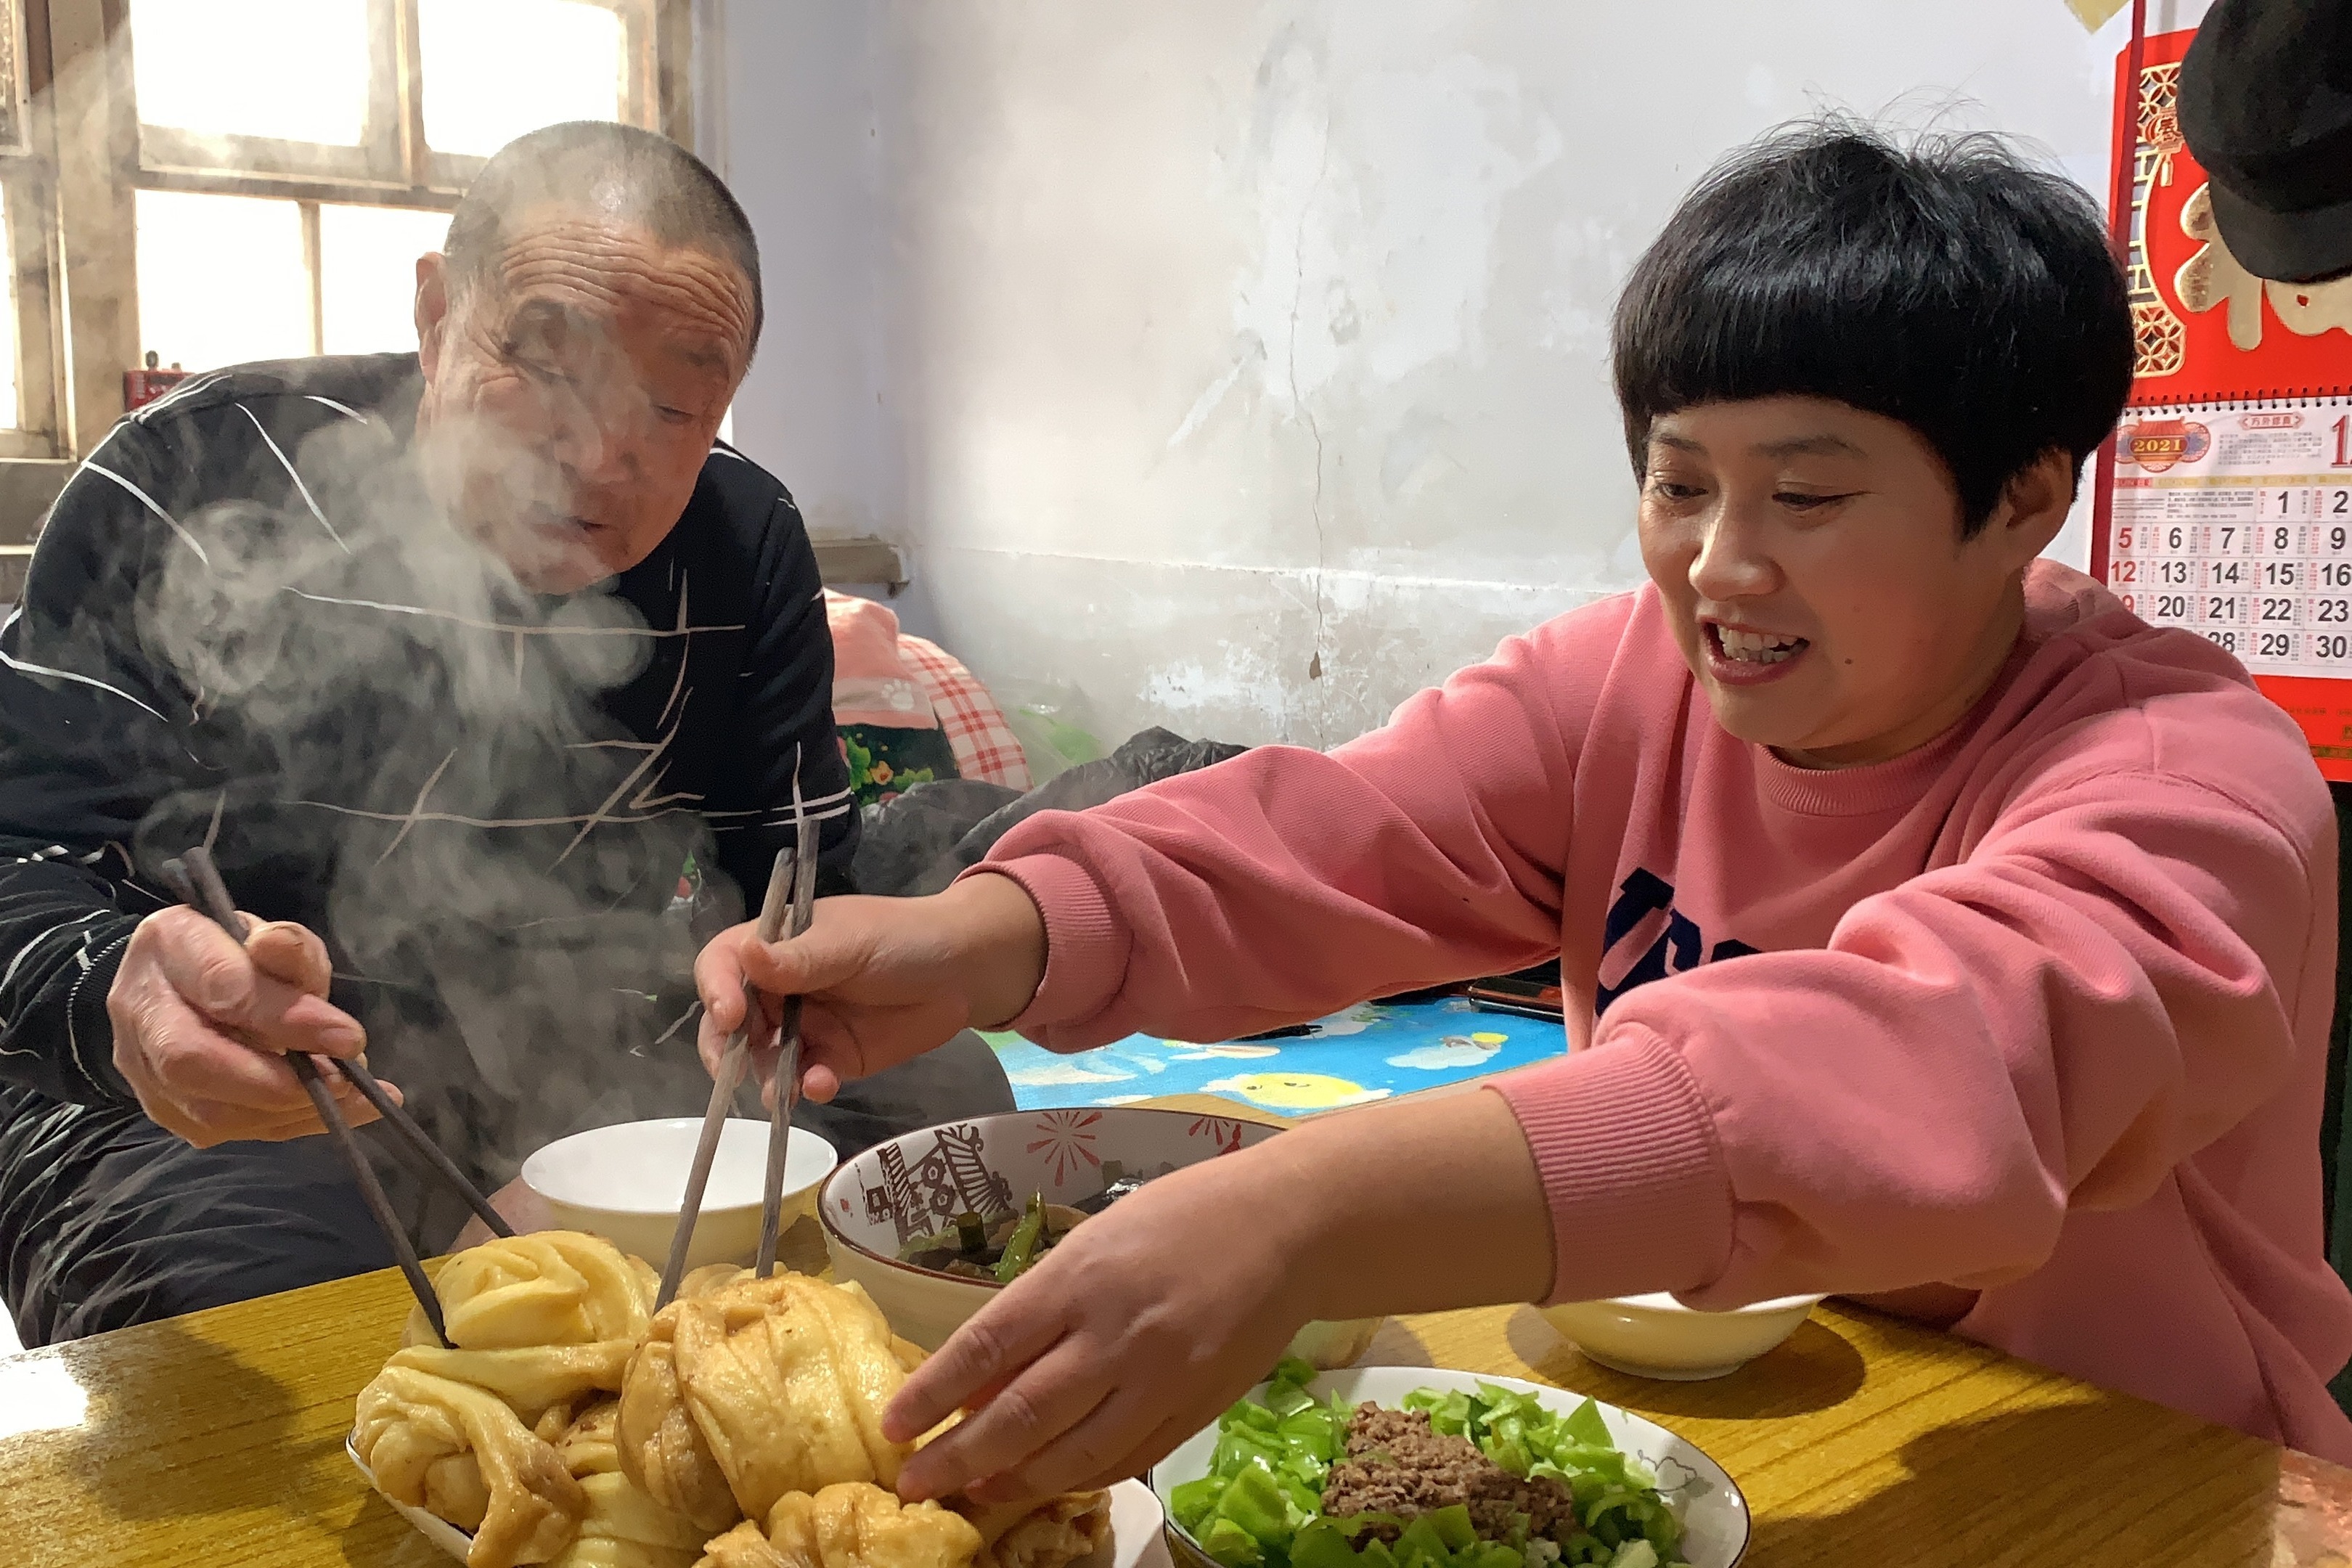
pixel 1811 560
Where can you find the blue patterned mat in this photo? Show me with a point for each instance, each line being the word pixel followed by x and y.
pixel 1364 1053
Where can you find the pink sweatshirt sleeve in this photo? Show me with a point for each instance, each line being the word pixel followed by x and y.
pixel 2099 992
pixel 2103 987
pixel 1423 852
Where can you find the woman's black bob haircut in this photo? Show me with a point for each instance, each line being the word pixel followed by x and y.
pixel 1945 284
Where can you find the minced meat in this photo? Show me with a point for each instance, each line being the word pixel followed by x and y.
pixel 1397 1465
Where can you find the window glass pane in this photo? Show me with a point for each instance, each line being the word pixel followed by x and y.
pixel 367 276
pixel 221 279
pixel 496 69
pixel 296 69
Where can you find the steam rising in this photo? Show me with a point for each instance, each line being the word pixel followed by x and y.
pixel 397 714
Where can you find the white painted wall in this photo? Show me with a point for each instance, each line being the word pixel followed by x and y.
pixel 1241 364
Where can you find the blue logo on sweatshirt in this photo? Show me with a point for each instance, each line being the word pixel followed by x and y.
pixel 1677 947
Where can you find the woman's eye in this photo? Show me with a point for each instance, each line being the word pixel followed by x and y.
pixel 1674 489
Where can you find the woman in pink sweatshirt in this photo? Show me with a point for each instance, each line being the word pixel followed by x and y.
pixel 1933 932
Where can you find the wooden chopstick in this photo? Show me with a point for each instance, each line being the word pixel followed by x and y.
pixel 788 1060
pixel 772 910
pixel 420 1142
pixel 195 882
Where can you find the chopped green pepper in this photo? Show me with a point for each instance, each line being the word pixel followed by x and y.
pixel 1257 1418
pixel 1257 1505
pixel 1230 1544
pixel 1237 1447
pixel 1585 1425
pixel 1191 1501
pixel 1322 1544
pixel 1452 1526
pixel 1021 1248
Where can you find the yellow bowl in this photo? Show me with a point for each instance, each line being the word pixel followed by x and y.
pixel 1658 1337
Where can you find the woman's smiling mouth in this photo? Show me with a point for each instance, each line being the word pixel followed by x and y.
pixel 1740 656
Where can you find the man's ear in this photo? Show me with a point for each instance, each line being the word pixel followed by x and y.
pixel 432 310
pixel 2033 506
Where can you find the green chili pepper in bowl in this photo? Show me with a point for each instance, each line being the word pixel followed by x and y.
pixel 1021 1248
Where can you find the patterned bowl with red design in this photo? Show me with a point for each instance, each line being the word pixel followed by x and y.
pixel 913 1186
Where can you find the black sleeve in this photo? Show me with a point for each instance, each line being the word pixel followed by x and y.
pixel 787 725
pixel 94 729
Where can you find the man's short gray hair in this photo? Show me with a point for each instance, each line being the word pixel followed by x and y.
pixel 636 176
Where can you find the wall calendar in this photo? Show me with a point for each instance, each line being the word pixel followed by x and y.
pixel 2224 503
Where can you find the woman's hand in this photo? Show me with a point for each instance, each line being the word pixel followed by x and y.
pixel 882 980
pixel 1147 1320
pixel 1130 1335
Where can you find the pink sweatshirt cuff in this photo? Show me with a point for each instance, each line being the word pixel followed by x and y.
pixel 1086 947
pixel 1640 1195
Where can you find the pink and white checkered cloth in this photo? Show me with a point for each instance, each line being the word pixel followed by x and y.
pixel 984 744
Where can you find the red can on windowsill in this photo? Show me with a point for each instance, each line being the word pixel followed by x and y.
pixel 141 388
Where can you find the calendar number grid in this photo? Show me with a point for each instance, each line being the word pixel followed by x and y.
pixel 2262 564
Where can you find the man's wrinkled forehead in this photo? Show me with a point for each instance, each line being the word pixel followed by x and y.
pixel 579 276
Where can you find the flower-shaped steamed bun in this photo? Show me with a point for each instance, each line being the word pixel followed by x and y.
pixel 552 1287
pixel 851 1525
pixel 784 1381
pixel 622 1528
pixel 660 1448
pixel 460 1452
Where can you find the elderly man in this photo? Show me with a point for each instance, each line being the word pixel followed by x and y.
pixel 456 660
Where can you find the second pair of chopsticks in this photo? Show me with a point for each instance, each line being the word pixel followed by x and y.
pixel 195 882
pixel 792 895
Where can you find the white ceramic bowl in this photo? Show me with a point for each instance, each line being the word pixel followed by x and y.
pixel 1703 1496
pixel 626 1184
pixel 916 1185
pixel 1657 1336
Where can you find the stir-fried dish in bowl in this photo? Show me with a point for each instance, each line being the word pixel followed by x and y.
pixel 927 1222
pixel 1004 1247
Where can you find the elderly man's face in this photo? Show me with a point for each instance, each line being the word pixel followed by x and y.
pixel 572 393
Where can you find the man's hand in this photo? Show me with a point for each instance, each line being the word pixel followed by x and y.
pixel 883 979
pixel 201 1026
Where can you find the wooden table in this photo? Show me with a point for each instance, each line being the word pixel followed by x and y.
pixel 217 1439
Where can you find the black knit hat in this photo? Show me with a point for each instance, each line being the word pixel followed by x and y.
pixel 2266 108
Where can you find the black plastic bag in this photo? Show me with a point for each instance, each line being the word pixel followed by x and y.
pixel 926 838
pixel 900 839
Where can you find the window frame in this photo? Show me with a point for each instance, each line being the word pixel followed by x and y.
pixel 27 193
pixel 392 166
pixel 93 179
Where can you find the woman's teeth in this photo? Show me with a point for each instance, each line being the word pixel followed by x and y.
pixel 1757 647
